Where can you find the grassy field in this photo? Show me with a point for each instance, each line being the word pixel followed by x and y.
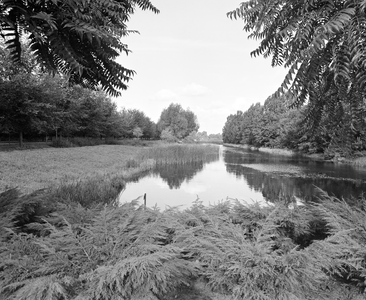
pixel 76 241
pixel 30 170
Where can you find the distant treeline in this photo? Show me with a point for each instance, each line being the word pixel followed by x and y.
pixel 276 125
pixel 46 105
pixel 35 105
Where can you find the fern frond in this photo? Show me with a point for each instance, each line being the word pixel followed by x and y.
pixel 152 274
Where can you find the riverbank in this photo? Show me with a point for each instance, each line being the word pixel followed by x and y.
pixel 31 170
pixel 359 161
pixel 77 241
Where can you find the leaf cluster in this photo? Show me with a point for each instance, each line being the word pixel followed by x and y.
pixel 79 38
pixel 321 44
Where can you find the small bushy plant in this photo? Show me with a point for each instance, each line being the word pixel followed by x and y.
pixel 77 142
pixel 62 143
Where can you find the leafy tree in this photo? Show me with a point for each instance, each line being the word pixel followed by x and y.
pixel 252 124
pixel 29 99
pixel 134 118
pixel 167 135
pixel 23 108
pixel 178 121
pixel 137 132
pixel 322 44
pixel 139 119
pixel 35 103
pixel 231 132
pixel 271 125
pixel 9 68
pixel 77 38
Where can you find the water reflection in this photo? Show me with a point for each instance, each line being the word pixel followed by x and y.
pixel 175 174
pixel 290 178
pixel 246 175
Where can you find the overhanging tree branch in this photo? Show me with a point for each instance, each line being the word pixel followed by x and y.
pixel 79 38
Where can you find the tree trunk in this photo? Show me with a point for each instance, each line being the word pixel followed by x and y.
pixel 56 133
pixel 20 139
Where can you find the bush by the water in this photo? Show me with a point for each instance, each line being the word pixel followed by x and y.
pixel 52 249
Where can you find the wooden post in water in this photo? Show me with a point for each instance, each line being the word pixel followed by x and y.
pixel 145 201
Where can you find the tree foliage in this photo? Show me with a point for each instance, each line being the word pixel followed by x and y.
pixel 270 125
pixel 322 44
pixel 177 122
pixel 37 104
pixel 274 125
pixel 78 38
pixel 46 105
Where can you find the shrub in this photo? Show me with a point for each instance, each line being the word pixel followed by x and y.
pixel 62 143
pixel 132 163
pixel 77 142
pixel 81 142
pixel 132 252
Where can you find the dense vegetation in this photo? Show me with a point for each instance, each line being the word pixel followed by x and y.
pixel 46 106
pixel 80 39
pixel 320 42
pixel 36 105
pixel 275 125
pixel 65 249
pixel 176 123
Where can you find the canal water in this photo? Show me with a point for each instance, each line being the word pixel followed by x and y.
pixel 248 176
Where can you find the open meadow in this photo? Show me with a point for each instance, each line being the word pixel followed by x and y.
pixel 30 170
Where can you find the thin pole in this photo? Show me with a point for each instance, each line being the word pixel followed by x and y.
pixel 145 200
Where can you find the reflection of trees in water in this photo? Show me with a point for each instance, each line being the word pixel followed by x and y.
pixel 175 174
pixel 254 157
pixel 274 186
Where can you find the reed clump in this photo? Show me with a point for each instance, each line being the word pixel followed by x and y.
pixel 167 154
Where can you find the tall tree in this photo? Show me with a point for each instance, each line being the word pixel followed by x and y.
pixel 322 43
pixel 232 133
pixel 23 107
pixel 177 121
pixel 80 38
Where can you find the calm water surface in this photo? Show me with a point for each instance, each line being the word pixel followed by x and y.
pixel 249 176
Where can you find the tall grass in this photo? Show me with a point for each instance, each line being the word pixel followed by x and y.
pixel 102 189
pixel 88 192
pixel 166 154
pixel 360 161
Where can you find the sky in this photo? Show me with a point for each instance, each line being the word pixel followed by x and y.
pixel 194 55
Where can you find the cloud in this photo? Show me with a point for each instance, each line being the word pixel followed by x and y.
pixel 193 188
pixel 168 44
pixel 165 94
pixel 194 90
